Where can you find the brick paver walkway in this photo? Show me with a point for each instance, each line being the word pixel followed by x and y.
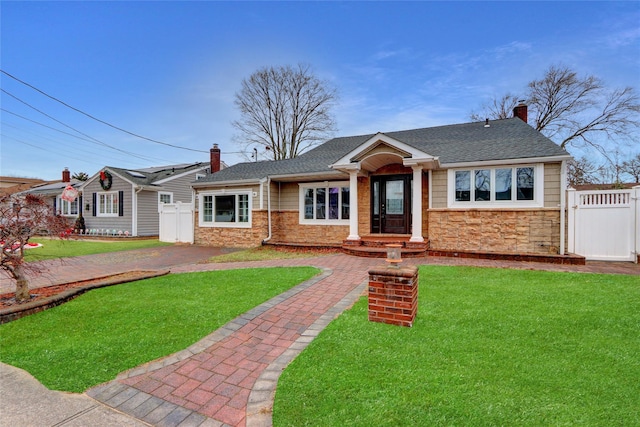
pixel 229 378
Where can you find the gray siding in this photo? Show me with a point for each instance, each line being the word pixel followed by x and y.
pixel 124 222
pixel 148 216
pixel 180 187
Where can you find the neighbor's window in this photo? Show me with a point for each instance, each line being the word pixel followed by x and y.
pixel 107 204
pixel 225 209
pixel 477 187
pixel 67 208
pixel 165 197
pixel 324 202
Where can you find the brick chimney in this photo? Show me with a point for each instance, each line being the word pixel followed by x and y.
pixel 215 158
pixel 520 111
pixel 66 175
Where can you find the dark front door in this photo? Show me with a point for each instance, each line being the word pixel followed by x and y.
pixel 391 204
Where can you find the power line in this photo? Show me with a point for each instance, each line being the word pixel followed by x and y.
pixel 73 129
pixel 97 119
pixel 88 139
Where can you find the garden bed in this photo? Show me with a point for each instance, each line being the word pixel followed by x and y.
pixel 51 296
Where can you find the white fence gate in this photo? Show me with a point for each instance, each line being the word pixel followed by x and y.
pixel 176 222
pixel 604 225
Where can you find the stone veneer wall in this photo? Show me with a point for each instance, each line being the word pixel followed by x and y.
pixel 534 231
pixel 234 237
pixel 286 228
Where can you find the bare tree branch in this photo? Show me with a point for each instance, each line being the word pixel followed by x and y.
pixel 285 110
pixel 576 111
pixel 498 109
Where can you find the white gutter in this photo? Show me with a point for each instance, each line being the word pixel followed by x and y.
pixel 230 182
pixel 268 209
pixel 563 203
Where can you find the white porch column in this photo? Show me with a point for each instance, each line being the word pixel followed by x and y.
pixel 416 205
pixel 353 205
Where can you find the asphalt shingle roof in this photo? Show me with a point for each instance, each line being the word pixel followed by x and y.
pixel 148 176
pixel 460 143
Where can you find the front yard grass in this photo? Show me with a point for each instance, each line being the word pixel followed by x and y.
pixel 106 331
pixel 64 248
pixel 489 347
pixel 265 253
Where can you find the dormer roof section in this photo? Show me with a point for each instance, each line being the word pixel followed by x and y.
pixel 381 150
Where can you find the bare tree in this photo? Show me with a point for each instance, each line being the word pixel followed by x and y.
pixel 284 110
pixel 583 171
pixel 498 109
pixel 23 217
pixel 632 168
pixel 578 111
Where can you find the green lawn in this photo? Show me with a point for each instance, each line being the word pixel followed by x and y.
pixel 106 331
pixel 489 347
pixel 265 253
pixel 60 248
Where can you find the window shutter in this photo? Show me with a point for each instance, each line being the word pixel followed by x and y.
pixel 95 202
pixel 55 206
pixel 120 203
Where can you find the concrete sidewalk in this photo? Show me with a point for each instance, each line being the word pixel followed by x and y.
pixel 26 402
pixel 229 377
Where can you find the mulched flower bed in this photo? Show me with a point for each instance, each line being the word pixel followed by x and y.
pixel 8 301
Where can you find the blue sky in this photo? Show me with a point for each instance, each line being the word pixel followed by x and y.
pixel 169 70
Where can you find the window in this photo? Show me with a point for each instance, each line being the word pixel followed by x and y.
pixel 509 186
pixel 66 208
pixel 225 209
pixel 108 204
pixel 164 198
pixel 324 203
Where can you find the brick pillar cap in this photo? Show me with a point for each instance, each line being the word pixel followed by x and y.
pixel 405 271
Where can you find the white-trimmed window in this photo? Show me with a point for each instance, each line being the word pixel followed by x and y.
pixel 164 197
pixel 66 208
pixel 225 209
pixel 508 186
pixel 324 202
pixel 107 204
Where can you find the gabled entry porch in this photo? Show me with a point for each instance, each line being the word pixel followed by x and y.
pixel 387 179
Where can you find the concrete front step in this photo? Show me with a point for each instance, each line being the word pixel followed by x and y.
pixel 381 252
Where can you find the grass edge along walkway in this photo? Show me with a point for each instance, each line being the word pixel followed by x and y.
pixel 110 330
pixel 489 347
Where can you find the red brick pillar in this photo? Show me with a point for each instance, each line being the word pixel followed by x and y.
pixel 393 295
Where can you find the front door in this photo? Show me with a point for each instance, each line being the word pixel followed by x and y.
pixel 391 204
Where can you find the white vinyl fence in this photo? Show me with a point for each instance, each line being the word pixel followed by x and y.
pixel 605 224
pixel 176 223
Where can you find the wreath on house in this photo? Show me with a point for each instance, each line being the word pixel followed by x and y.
pixel 105 180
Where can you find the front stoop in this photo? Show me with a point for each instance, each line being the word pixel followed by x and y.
pixel 375 246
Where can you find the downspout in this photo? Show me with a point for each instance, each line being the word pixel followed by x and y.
pixel 268 209
pixel 563 203
pixel 636 223
pixel 134 209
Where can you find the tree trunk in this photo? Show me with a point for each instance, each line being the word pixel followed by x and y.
pixel 22 284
